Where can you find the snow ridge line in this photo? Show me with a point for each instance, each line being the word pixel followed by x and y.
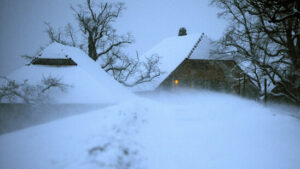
pixel 195 46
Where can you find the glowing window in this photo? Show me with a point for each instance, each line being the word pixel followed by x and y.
pixel 176 82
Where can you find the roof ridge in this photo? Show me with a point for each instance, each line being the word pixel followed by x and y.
pixel 195 46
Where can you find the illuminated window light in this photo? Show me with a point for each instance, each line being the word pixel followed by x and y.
pixel 176 82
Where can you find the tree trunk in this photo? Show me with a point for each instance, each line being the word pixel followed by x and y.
pixel 92 48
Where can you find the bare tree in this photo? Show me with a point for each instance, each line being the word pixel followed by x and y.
pixel 95 21
pixel 104 45
pixel 264 35
pixel 54 36
pixel 239 42
pixel 12 91
pixel 67 36
pixel 135 72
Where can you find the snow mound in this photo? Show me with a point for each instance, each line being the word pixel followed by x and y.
pixel 87 82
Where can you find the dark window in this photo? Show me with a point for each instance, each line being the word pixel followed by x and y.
pixel 54 62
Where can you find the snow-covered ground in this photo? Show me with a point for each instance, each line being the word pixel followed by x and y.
pixel 181 130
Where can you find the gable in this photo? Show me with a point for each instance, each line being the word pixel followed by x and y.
pixel 172 51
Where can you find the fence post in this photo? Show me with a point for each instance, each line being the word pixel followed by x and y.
pixel 244 87
pixel 239 89
pixel 265 92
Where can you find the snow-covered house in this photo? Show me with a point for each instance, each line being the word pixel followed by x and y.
pixel 86 85
pixel 185 61
pixel 86 81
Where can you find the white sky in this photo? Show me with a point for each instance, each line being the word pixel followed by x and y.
pixel 22 24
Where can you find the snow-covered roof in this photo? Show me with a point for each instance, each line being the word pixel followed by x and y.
pixel 172 51
pixel 89 83
pixel 58 51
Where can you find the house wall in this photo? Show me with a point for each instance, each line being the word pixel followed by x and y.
pixel 217 75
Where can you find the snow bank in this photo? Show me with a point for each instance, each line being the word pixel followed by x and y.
pixel 177 130
pixel 87 82
pixel 212 130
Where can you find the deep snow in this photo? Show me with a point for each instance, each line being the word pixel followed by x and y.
pixel 184 130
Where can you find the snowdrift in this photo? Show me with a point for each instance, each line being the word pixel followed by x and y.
pixel 178 131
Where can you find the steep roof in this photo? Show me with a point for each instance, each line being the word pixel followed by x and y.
pixel 172 51
pixel 89 83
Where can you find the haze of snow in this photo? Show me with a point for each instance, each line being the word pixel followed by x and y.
pixel 179 130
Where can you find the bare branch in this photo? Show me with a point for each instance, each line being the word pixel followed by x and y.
pixel 12 91
pixel 265 35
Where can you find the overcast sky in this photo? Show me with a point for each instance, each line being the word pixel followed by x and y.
pixel 149 21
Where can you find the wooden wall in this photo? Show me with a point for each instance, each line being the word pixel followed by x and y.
pixel 217 75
